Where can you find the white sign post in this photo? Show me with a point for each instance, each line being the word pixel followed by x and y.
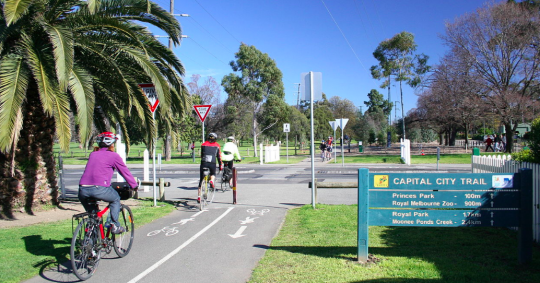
pixel 334 126
pixel 202 111
pixel 311 87
pixel 150 91
pixel 341 123
pixel 287 129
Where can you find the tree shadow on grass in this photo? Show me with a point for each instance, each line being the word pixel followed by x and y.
pixel 56 266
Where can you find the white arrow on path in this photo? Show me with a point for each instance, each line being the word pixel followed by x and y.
pixel 238 233
pixel 184 221
pixel 248 220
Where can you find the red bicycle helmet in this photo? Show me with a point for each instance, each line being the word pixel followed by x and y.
pixel 106 138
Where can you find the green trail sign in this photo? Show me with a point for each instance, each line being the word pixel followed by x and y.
pixel 445 200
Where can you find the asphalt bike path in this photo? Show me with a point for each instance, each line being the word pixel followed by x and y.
pixel 224 242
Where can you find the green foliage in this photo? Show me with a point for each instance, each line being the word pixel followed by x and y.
pixel 80 57
pixel 371 137
pixel 377 103
pixel 381 138
pixel 259 82
pixel 533 153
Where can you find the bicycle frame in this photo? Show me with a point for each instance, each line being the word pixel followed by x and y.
pixel 100 218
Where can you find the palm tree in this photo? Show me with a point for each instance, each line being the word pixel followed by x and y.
pixel 63 58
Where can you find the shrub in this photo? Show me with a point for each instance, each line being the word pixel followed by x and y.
pixel 533 153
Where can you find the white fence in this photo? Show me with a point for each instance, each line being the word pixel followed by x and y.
pixel 504 164
pixel 271 153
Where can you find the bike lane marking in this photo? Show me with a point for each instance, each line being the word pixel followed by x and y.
pixel 177 250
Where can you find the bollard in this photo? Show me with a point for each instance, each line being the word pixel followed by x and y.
pixel 161 189
pixel 234 185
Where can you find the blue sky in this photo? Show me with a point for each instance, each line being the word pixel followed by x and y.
pixel 302 36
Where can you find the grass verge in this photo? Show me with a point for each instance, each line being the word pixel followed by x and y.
pixel 320 246
pixel 26 251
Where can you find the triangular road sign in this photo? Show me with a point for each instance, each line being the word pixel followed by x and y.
pixel 150 91
pixel 202 111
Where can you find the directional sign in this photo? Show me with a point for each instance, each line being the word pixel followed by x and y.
pixel 150 91
pixel 342 122
pixel 334 125
pixel 202 111
pixel 286 127
pixel 309 80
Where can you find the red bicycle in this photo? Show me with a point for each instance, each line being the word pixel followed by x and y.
pixel 90 240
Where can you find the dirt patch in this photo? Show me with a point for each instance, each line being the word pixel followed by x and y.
pixel 65 211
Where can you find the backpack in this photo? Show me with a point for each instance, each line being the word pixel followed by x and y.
pixel 227 174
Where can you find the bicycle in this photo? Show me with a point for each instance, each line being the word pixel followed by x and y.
pixel 226 177
pixel 90 239
pixel 207 192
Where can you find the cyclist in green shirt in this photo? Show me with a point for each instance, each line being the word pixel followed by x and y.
pixel 230 153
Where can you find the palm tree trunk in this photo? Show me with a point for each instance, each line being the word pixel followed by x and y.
pixel 34 154
pixel 11 188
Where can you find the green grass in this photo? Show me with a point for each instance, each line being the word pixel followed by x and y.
pixel 320 246
pixel 25 251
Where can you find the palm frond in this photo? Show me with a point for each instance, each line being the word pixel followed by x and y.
pixel 151 71
pixel 42 71
pixel 80 86
pixel 93 5
pixel 62 41
pixel 15 9
pixel 60 112
pixel 13 84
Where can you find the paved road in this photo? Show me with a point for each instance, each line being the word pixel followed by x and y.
pixel 225 242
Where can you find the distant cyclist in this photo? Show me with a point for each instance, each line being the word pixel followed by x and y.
pixel 230 153
pixel 96 179
pixel 210 153
pixel 322 147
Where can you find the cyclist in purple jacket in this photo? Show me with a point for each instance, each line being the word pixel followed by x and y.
pixel 96 179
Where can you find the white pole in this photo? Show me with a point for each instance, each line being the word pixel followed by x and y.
pixel 154 161
pixel 287 137
pixel 146 169
pixel 312 143
pixel 203 131
pixel 335 149
pixel 342 156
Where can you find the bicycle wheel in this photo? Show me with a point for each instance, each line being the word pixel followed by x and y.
pixel 204 193
pixel 224 185
pixel 84 258
pixel 123 242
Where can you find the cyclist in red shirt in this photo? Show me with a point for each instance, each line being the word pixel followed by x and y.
pixel 210 152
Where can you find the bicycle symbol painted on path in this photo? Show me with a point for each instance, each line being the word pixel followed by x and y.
pixel 255 212
pixel 169 231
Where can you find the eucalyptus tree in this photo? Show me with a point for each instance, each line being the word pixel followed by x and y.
pixel 59 57
pixel 397 59
pixel 259 79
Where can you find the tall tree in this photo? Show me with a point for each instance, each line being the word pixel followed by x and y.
pixel 501 43
pixel 397 59
pixel 259 80
pixel 63 56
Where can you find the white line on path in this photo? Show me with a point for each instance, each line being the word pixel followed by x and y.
pixel 177 250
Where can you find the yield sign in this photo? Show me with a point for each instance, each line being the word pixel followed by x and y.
pixel 202 111
pixel 150 91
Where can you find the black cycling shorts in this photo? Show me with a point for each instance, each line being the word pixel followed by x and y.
pixel 211 166
pixel 228 164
